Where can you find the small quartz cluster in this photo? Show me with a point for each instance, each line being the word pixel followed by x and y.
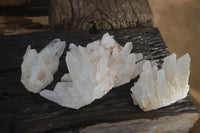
pixel 158 88
pixel 38 68
pixel 93 71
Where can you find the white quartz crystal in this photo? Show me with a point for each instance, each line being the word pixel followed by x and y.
pixel 158 88
pixel 38 68
pixel 93 71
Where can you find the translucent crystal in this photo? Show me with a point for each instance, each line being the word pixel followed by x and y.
pixel 38 68
pixel 158 88
pixel 93 71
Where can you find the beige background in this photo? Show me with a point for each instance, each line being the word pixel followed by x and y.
pixel 179 24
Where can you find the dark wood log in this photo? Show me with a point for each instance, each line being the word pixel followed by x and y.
pixel 164 124
pixel 99 14
pixel 24 9
pixel 25 112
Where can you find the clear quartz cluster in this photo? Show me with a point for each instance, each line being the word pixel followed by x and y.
pixel 38 68
pixel 93 71
pixel 158 88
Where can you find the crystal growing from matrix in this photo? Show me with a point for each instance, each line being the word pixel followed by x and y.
pixel 159 88
pixel 93 71
pixel 38 68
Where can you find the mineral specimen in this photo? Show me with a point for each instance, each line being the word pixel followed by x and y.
pixel 38 68
pixel 93 71
pixel 158 88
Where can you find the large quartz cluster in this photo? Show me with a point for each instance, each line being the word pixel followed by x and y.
pixel 93 71
pixel 158 88
pixel 38 68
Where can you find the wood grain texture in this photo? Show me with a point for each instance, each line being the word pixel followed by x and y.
pixel 22 25
pixel 99 14
pixel 24 9
pixel 164 124
pixel 25 112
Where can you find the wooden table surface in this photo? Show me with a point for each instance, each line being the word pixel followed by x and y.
pixel 25 112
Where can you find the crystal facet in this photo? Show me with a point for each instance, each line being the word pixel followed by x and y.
pixel 158 88
pixel 38 68
pixel 93 71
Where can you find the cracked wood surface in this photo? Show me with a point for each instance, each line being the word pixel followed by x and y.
pixel 99 14
pixel 25 112
pixel 164 124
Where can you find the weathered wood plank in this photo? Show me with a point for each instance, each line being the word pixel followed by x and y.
pixel 22 25
pixel 24 112
pixel 164 124
pixel 25 8
pixel 102 14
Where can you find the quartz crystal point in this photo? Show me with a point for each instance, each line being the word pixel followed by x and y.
pixel 158 88
pixel 93 71
pixel 38 68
